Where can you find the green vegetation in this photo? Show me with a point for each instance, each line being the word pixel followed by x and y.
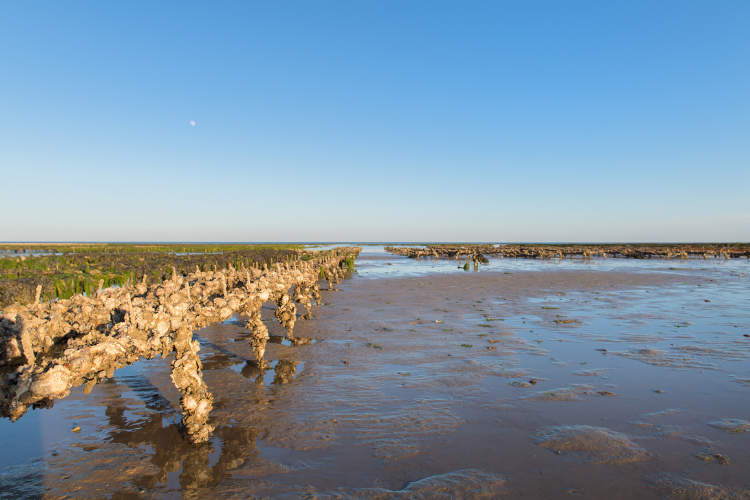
pixel 349 261
pixel 173 248
pixel 71 270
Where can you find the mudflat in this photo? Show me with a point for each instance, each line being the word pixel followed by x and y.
pixel 420 380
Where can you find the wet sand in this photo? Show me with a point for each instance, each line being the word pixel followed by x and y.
pixel 548 382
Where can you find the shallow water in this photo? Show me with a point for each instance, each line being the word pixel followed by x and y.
pixel 374 261
pixel 418 377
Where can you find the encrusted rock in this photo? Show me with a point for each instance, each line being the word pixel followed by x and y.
pixel 118 326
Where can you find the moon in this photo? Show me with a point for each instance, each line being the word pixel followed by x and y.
pixel 192 123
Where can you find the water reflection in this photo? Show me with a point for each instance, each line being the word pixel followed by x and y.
pixel 159 433
pixel 290 341
pixel 261 371
pixel 218 360
pixel 277 372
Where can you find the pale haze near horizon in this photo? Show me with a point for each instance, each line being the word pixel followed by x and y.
pixel 375 121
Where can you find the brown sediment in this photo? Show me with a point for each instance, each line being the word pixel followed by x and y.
pixel 679 486
pixel 674 358
pixel 571 393
pixel 461 485
pixel 645 419
pixel 464 484
pixel 46 349
pixel 599 445
pixel 731 425
pixel 590 373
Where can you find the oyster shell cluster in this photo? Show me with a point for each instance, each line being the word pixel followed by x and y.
pixel 49 347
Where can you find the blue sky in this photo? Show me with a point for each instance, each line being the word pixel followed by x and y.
pixel 375 121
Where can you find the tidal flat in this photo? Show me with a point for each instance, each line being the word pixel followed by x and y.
pixel 525 378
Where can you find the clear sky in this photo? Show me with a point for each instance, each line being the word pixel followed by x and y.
pixel 375 120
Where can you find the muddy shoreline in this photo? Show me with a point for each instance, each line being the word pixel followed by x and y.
pixel 400 390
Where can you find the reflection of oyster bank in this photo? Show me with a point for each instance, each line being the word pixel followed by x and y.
pixel 284 371
pixel 170 451
pixel 263 372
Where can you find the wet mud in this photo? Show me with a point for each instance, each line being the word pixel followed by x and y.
pixel 398 389
pixel 597 445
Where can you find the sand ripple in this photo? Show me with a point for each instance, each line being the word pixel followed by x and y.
pixel 597 444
